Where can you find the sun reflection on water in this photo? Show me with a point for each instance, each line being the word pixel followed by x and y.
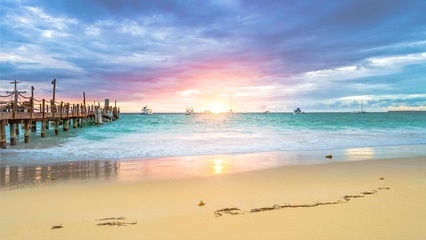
pixel 218 166
pixel 360 153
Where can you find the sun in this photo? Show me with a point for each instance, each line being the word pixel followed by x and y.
pixel 217 107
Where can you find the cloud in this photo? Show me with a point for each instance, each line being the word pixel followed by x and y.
pixel 269 53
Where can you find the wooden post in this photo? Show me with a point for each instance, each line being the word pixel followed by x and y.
pixel 84 102
pixel 33 126
pixel 43 122
pixel 17 129
pixel 43 128
pixel 65 125
pixel 32 102
pixel 34 123
pixel 68 110
pixel 27 131
pixel 83 116
pixel 85 112
pixel 54 89
pixel 52 108
pixel 15 103
pixel 62 108
pixel 12 134
pixel 56 126
pixel 78 116
pixel 3 134
pixel 74 122
pixel 99 114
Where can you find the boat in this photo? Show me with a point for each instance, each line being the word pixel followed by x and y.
pixel 266 112
pixel 189 111
pixel 359 112
pixel 146 111
pixel 298 111
pixel 230 105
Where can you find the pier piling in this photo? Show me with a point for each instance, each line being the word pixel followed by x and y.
pixel 56 122
pixel 27 131
pixel 34 127
pixel 43 128
pixel 65 125
pixel 3 134
pixel 17 129
pixel 12 134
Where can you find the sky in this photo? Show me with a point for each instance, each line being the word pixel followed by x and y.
pixel 247 55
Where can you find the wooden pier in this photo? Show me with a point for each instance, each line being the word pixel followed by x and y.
pixel 16 108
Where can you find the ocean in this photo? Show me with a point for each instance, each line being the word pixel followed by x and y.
pixel 185 142
pixel 136 136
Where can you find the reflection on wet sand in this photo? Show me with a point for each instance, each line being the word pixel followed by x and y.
pixel 30 175
pixel 14 175
pixel 361 153
pixel 134 170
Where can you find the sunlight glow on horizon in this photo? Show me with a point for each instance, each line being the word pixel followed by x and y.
pixel 217 106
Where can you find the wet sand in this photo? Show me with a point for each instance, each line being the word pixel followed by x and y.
pixel 373 199
pixel 29 173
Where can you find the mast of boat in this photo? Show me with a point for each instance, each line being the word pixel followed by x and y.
pixel 230 103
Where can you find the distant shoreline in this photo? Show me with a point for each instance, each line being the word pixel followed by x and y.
pixel 406 111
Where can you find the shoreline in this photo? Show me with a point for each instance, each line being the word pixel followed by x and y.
pixel 386 201
pixel 182 167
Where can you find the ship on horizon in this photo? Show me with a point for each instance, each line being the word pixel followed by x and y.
pixel 298 111
pixel 146 111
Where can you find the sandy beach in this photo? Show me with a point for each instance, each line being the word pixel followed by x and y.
pixel 373 199
pixel 212 120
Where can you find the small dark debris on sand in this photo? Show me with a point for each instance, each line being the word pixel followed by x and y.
pixel 329 156
pixel 121 223
pixel 111 218
pixel 201 203
pixel 57 226
pixel 116 223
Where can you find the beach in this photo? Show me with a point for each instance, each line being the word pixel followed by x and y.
pixel 213 120
pixel 371 199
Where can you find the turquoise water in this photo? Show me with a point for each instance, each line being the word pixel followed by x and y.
pixel 137 136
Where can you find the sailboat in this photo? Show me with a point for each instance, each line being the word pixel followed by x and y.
pixel 146 111
pixel 230 105
pixel 189 111
pixel 358 112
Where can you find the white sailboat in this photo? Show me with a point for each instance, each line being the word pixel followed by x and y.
pixel 362 110
pixel 189 111
pixel 230 105
pixel 146 111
